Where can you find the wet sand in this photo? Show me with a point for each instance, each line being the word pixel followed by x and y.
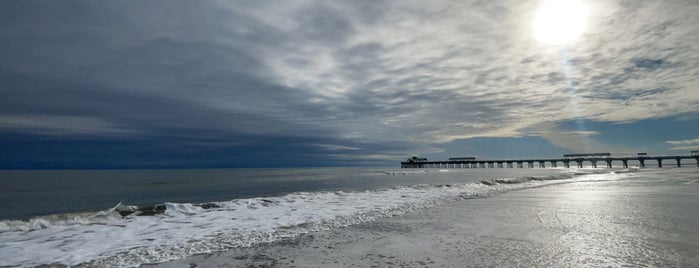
pixel 645 221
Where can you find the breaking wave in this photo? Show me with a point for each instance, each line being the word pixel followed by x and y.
pixel 130 236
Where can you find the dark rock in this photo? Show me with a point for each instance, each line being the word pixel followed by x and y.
pixel 151 210
pixel 208 205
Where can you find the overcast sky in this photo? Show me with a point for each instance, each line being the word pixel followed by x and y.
pixel 124 84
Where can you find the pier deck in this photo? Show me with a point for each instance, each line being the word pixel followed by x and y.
pixel 553 162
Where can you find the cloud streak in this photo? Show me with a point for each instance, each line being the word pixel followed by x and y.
pixel 684 145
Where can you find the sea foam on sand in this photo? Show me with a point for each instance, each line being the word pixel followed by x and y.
pixel 178 230
pixel 648 219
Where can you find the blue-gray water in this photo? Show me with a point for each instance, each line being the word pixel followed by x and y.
pixel 29 193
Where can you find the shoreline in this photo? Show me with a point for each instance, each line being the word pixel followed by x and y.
pixel 609 223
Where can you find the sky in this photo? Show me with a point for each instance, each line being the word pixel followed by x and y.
pixel 207 84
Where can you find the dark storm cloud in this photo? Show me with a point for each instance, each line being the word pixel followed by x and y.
pixel 147 72
pixel 29 151
pixel 136 69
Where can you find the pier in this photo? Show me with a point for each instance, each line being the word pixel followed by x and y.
pixel 575 160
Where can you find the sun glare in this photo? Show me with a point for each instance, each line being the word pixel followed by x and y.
pixel 559 22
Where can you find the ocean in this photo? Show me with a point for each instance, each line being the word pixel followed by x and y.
pixel 129 218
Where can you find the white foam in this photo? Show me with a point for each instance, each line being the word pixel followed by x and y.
pixel 406 172
pixel 186 229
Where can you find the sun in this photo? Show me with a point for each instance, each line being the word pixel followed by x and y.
pixel 559 22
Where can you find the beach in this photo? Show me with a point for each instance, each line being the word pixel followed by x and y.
pixel 648 219
pixel 371 217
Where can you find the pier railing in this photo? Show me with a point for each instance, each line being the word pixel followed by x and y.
pixel 553 162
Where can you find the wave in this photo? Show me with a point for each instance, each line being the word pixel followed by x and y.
pixel 65 219
pixel 405 172
pixel 130 235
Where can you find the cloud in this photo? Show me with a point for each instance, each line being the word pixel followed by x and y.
pixel 334 147
pixel 394 74
pixel 684 142
pixel 354 74
pixel 61 125
pixel 684 145
pixel 685 148
pixel 573 140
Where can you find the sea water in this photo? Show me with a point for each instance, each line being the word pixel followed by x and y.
pixel 131 217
